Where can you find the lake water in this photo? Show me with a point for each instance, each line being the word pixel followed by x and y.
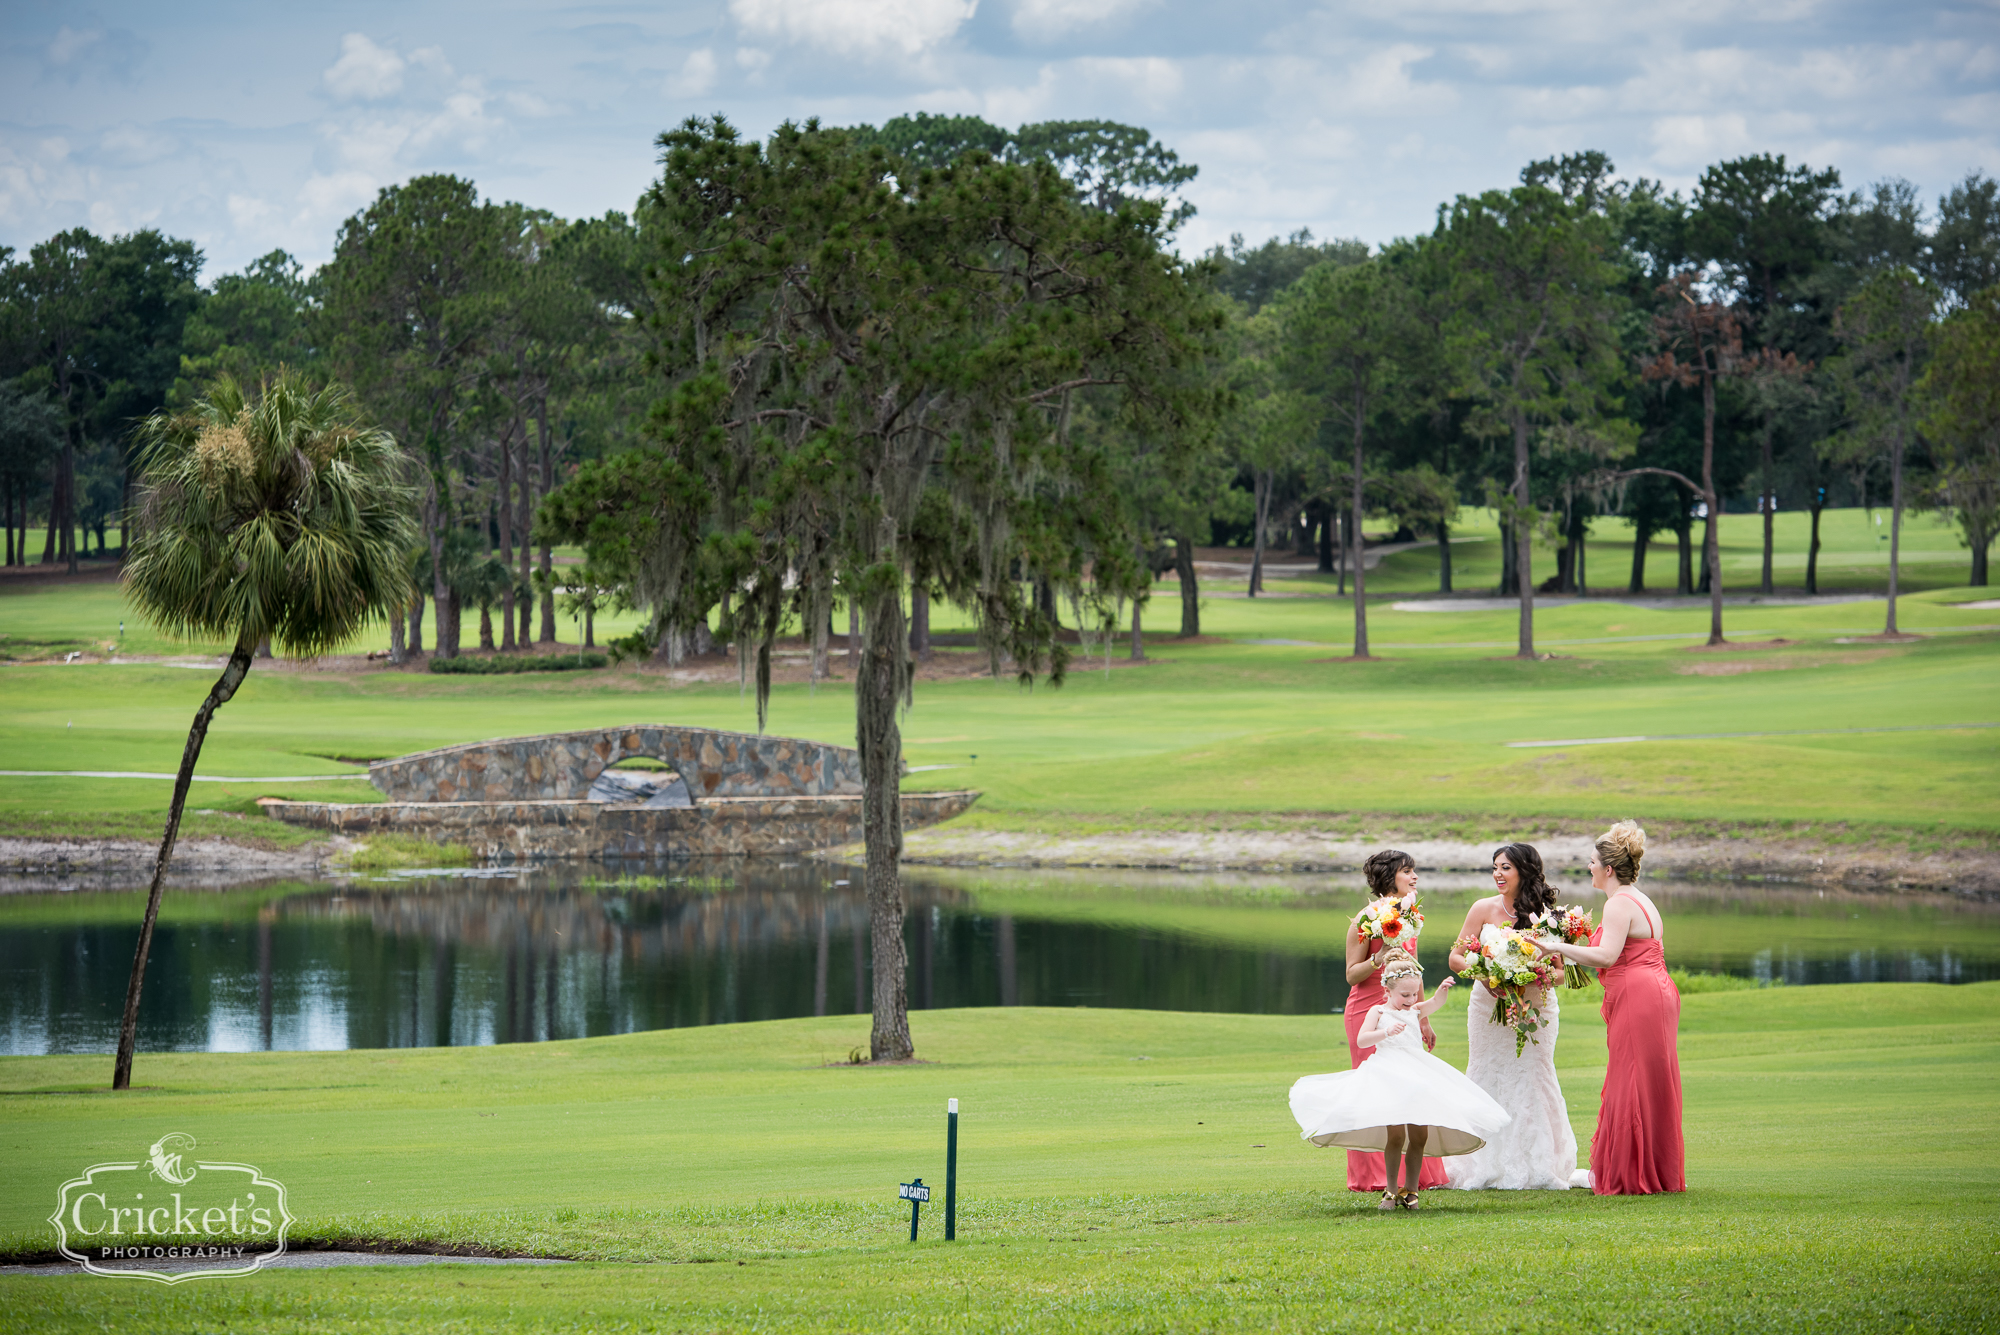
pixel 574 950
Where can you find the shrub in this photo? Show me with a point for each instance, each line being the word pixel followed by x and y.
pixel 501 664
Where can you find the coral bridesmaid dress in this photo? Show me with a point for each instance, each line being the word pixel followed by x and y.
pixel 1637 1149
pixel 1366 1171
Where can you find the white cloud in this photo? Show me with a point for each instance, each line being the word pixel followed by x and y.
pixel 249 213
pixel 70 43
pixel 334 195
pixel 856 27
pixel 1691 142
pixel 696 75
pixel 364 71
pixel 1044 20
pixel 1151 79
pixel 752 59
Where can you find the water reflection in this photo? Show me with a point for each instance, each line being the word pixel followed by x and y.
pixel 574 951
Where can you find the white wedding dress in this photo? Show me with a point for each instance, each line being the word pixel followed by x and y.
pixel 1536 1151
pixel 1399 1085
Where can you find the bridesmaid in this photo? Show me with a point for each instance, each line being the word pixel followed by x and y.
pixel 1637 1150
pixel 1390 872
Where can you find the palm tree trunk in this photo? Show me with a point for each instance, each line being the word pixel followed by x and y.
pixel 878 691
pixel 218 696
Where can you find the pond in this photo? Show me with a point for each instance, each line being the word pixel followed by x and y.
pixel 575 950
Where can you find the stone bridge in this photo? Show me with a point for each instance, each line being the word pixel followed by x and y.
pixel 562 766
pixel 531 798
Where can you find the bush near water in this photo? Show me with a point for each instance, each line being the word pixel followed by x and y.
pixel 500 666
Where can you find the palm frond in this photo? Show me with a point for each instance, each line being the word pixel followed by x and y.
pixel 279 514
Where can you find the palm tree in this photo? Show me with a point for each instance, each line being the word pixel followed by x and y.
pixel 278 516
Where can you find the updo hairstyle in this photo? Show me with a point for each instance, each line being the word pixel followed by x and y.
pixel 1620 849
pixel 1532 895
pixel 1401 964
pixel 1381 869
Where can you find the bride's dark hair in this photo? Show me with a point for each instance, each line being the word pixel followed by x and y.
pixel 1533 894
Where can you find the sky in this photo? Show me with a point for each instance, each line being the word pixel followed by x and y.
pixel 250 127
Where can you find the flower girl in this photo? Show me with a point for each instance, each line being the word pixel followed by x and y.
pixel 1401 1101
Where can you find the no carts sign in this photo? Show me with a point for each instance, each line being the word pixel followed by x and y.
pixel 169 1217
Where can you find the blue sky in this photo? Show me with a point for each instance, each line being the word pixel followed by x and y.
pixel 253 126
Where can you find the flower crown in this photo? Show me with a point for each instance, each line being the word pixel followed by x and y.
pixel 1403 967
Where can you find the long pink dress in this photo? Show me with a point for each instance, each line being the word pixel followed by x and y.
pixel 1637 1149
pixel 1366 1171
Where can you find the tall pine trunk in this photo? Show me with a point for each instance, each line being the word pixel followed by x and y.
pixel 1524 539
pixel 1711 542
pixel 219 695
pixel 1190 586
pixel 1895 522
pixel 878 691
pixel 1360 565
pixel 504 506
pixel 1812 548
pixel 546 634
pixel 1262 481
pixel 1768 502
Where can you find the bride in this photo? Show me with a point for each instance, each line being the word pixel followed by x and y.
pixel 1537 1150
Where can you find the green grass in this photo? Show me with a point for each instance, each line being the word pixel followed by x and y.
pixel 1120 1170
pixel 1231 730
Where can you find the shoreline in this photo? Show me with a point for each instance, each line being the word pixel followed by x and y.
pixel 1880 861
pixel 1970 874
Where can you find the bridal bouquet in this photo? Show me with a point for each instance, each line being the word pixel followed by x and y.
pixel 1509 964
pixel 1569 923
pixel 1392 921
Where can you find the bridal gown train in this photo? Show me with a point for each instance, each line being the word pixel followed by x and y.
pixel 1537 1150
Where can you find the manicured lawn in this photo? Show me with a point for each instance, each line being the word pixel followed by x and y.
pixel 1241 723
pixel 1120 1170
pixel 1225 727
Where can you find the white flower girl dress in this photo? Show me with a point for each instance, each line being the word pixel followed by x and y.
pixel 1399 1085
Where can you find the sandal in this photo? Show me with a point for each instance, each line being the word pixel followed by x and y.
pixel 1389 1201
pixel 1408 1201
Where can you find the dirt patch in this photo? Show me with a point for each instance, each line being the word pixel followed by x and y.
pixel 1737 668
pixel 1878 639
pixel 1738 646
pixel 127 864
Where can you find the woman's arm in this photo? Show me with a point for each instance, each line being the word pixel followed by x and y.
pixel 1610 941
pixel 1475 918
pixel 1360 965
pixel 1371 1029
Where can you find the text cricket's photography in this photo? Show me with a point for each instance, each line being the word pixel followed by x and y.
pixel 812 666
pixel 220 1229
